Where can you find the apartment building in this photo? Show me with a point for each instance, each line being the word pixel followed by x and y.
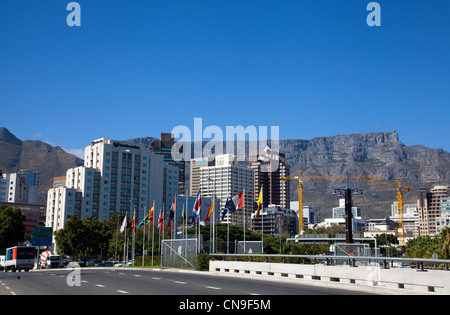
pixel 117 177
pixel 21 187
pixel 429 208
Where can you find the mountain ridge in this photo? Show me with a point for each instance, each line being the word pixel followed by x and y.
pixel 380 154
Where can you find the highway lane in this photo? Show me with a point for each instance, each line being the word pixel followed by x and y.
pixel 124 281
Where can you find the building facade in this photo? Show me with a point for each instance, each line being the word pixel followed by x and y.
pixel 164 147
pixel 226 179
pixel 21 187
pixel 429 209
pixel 117 178
pixel 275 220
pixel 268 167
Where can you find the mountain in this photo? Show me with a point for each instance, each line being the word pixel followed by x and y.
pixel 379 154
pixel 35 155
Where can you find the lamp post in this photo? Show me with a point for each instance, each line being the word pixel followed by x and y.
pixel 347 192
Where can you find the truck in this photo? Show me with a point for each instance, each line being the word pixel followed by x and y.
pixel 19 258
pixel 49 260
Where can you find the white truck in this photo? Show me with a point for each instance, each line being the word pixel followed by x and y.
pixel 49 260
pixel 19 258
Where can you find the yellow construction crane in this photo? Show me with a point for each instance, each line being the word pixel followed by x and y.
pixel 369 179
pixel 300 179
pixel 400 203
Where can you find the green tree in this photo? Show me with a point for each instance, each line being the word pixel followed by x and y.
pixel 87 238
pixel 12 228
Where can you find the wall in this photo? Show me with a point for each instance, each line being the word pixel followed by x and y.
pixel 362 278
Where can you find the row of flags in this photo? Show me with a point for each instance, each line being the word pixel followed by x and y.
pixel 231 206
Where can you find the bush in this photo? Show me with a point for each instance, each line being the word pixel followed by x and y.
pixel 202 262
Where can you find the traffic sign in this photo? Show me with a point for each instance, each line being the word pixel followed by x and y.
pixel 41 236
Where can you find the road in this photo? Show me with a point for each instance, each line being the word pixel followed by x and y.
pixel 118 281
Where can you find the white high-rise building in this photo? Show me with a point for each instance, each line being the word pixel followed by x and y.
pixel 116 177
pixel 21 187
pixel 226 179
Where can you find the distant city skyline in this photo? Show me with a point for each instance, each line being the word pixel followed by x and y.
pixel 136 69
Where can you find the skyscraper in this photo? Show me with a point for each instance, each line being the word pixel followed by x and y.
pixel 164 148
pixel 225 179
pixel 268 167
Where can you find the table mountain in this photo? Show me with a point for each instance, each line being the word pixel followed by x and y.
pixel 380 154
pixel 35 155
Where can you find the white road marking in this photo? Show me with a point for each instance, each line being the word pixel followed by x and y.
pixel 100 285
pixel 13 293
pixel 180 282
pixel 122 291
pixel 213 288
pixel 154 278
pixel 137 275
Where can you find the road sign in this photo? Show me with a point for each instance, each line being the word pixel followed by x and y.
pixel 41 236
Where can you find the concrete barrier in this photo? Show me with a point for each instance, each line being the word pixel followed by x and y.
pixel 363 278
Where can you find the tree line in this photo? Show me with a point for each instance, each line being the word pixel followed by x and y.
pixel 91 238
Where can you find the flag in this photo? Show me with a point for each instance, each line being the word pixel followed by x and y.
pixel 133 223
pixel 225 210
pixel 161 220
pixel 172 213
pixel 124 225
pixel 211 210
pixel 149 217
pixel 197 206
pixel 259 204
pixel 182 219
pixel 237 202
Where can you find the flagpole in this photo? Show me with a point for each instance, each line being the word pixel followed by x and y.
pixel 153 235
pixel 262 216
pixel 245 221
pixel 117 237
pixel 228 232
pixel 143 239
pixel 125 241
pixel 134 235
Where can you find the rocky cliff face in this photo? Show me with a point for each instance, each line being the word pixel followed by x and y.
pixel 380 154
pixel 49 161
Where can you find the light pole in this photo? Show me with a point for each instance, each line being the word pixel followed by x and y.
pixel 347 192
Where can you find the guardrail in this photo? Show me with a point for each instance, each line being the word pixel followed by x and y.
pixel 385 262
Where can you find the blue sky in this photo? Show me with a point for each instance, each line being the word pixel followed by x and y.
pixel 137 68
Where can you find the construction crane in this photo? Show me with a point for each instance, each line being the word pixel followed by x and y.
pixel 368 178
pixel 400 203
pixel 300 179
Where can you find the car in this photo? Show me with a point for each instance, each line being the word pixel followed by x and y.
pixel 95 263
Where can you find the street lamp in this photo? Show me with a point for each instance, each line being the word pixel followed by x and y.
pixel 347 192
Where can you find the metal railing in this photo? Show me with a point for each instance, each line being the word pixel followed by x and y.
pixel 421 264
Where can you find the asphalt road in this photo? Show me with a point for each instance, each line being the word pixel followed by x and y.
pixel 117 281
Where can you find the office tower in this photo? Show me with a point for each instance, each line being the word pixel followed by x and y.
pixel 269 166
pixel 226 179
pixel 196 165
pixel 164 148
